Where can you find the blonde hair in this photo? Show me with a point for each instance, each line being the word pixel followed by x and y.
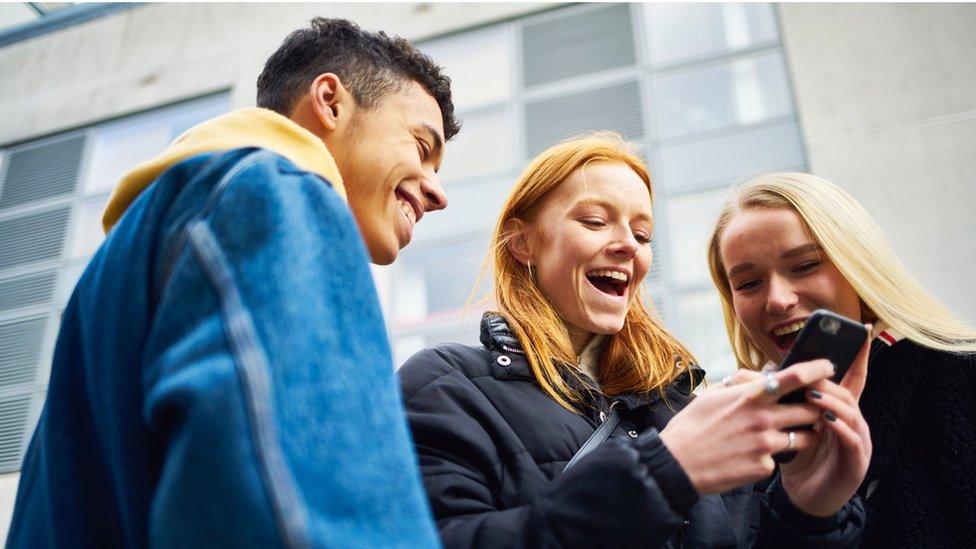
pixel 641 357
pixel 859 250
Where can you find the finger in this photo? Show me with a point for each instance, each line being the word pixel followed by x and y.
pixel 849 438
pixel 793 415
pixel 744 376
pixel 835 400
pixel 825 386
pixel 790 379
pixel 802 440
pixel 856 377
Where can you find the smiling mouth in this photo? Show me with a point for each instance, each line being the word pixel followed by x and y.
pixel 785 336
pixel 609 282
pixel 406 204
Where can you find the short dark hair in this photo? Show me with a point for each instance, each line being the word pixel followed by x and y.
pixel 372 65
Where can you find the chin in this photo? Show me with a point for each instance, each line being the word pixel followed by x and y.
pixel 383 255
pixel 605 326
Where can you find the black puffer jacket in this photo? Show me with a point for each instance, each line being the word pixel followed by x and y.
pixel 492 446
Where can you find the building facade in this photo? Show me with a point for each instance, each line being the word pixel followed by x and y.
pixel 878 98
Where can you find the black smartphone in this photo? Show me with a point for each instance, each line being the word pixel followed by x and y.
pixel 825 335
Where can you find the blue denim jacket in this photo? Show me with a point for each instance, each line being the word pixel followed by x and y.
pixel 223 378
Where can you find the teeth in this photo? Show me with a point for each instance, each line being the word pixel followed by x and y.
pixel 795 327
pixel 616 275
pixel 408 211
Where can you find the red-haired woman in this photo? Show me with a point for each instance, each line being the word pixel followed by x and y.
pixel 571 343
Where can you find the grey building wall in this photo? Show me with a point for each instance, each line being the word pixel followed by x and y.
pixel 161 53
pixel 886 95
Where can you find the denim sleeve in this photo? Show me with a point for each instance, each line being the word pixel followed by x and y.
pixel 268 375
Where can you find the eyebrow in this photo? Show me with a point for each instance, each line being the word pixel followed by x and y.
pixel 799 250
pixel 606 204
pixel 438 147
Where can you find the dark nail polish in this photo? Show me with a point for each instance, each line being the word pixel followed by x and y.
pixel 829 416
pixel 815 394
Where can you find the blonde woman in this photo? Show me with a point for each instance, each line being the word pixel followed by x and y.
pixel 495 425
pixel 789 243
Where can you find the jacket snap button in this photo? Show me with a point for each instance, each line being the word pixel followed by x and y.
pixel 503 360
pixel 603 416
pixel 633 434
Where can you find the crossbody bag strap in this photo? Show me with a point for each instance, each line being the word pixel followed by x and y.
pixel 601 434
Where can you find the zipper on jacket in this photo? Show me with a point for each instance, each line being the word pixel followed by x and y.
pixel 605 415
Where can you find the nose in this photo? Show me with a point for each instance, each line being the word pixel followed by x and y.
pixel 434 196
pixel 625 245
pixel 780 297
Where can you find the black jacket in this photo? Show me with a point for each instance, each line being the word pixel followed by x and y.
pixel 921 407
pixel 492 446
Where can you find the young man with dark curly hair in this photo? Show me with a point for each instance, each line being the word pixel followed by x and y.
pixel 222 376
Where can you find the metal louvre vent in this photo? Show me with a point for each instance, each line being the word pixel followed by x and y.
pixel 617 107
pixel 14 413
pixel 26 290
pixel 33 237
pixel 43 171
pixel 20 349
pixel 579 44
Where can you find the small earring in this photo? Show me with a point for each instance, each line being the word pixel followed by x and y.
pixel 529 265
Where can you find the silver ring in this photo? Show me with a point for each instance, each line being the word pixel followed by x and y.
pixel 792 443
pixel 727 381
pixel 771 386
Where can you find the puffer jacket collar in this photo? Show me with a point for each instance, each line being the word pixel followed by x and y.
pixel 499 341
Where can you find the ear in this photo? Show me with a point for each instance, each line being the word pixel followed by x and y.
pixel 331 101
pixel 517 232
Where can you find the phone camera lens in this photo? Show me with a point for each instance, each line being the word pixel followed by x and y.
pixel 830 325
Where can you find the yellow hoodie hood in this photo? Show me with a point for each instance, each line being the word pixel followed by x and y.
pixel 252 127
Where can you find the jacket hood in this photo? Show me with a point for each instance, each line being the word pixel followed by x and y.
pixel 251 127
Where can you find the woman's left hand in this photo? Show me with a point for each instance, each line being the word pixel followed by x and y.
pixel 823 477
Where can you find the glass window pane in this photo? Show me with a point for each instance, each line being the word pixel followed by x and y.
pixel 184 117
pixel 702 329
pixel 472 207
pixel 730 157
pixel 88 235
pixel 121 146
pixel 435 281
pixel 745 91
pixel 690 220
pixel 678 32
pixel 465 332
pixel 479 64
pixel 486 146
pixel 116 150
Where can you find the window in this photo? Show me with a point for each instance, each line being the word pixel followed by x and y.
pixel 52 192
pixel 702 87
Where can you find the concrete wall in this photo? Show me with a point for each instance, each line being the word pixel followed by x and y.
pixel 162 53
pixel 887 100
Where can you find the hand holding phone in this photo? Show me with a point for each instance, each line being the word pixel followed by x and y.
pixel 825 335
